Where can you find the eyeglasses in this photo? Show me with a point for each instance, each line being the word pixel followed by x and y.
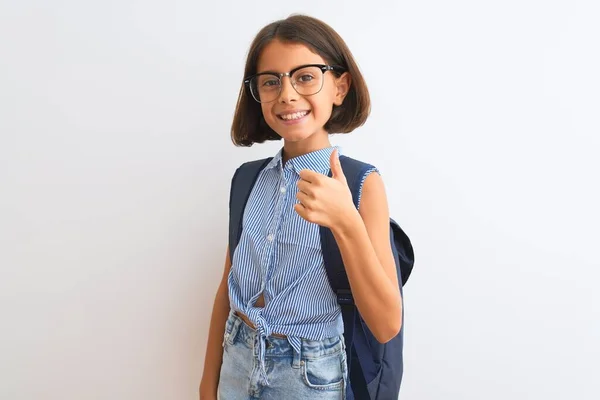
pixel 307 80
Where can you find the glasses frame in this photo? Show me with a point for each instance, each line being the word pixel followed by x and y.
pixel 323 67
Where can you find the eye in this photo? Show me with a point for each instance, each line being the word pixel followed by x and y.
pixel 304 78
pixel 266 81
pixel 270 82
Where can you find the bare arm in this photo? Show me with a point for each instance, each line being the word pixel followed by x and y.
pixel 364 244
pixel 214 349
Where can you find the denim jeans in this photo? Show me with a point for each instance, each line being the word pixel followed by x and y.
pixel 319 372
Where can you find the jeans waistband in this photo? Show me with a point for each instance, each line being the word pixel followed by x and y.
pixel 237 330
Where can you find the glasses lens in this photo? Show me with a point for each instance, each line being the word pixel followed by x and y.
pixel 308 81
pixel 265 87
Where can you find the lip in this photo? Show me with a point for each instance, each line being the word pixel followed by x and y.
pixel 292 121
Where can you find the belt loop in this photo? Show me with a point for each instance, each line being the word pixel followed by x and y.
pixel 230 336
pixel 297 363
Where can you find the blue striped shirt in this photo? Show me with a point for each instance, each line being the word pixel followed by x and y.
pixel 279 255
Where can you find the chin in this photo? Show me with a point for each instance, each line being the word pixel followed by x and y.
pixel 294 135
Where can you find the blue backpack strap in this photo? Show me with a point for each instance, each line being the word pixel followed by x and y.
pixel 241 186
pixel 354 172
pixel 375 369
pixel 402 248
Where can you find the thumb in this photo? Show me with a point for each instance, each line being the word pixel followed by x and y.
pixel 336 168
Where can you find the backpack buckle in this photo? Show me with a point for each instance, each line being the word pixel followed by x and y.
pixel 344 297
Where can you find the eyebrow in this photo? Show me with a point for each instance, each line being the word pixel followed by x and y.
pixel 297 66
pixel 268 72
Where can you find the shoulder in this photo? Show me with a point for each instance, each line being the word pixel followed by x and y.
pixel 353 163
pixel 251 167
pixel 361 178
pixel 372 203
pixel 356 168
pixel 254 164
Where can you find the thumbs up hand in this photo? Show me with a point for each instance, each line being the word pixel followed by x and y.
pixel 324 200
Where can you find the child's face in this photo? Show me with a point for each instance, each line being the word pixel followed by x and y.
pixel 283 57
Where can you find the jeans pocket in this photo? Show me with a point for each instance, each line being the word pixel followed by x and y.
pixel 325 373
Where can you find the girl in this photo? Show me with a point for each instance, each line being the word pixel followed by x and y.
pixel 276 330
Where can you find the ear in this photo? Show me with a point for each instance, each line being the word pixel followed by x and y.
pixel 342 85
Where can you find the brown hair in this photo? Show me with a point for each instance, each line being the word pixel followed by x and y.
pixel 249 125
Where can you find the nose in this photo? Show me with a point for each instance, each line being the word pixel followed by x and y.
pixel 288 93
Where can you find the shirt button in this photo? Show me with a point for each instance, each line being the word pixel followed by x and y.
pixel 282 189
pixel 270 237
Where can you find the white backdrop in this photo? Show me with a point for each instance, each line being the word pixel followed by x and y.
pixel 115 164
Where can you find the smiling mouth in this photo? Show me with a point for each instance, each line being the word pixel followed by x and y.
pixel 293 116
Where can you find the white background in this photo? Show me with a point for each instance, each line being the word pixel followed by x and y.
pixel 115 164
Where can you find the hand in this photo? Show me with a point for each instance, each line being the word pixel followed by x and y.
pixel 323 200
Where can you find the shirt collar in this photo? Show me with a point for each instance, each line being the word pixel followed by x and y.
pixel 317 160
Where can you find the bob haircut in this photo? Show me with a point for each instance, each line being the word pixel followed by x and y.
pixel 249 125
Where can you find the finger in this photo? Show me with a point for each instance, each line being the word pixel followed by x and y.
pixel 299 208
pixel 310 176
pixel 305 186
pixel 304 199
pixel 336 167
pixel 305 213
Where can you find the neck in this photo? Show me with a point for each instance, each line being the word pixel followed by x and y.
pixel 308 145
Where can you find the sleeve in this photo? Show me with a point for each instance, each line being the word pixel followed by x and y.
pixel 362 182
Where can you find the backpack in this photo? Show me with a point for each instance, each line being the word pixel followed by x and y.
pixel 375 369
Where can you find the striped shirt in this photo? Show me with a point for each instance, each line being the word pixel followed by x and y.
pixel 279 255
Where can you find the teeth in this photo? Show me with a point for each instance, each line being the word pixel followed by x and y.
pixel 297 115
